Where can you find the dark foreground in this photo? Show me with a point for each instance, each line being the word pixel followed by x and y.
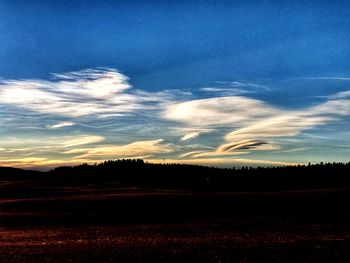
pixel 210 241
pixel 117 224
pixel 132 211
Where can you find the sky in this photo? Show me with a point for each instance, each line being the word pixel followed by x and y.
pixel 218 83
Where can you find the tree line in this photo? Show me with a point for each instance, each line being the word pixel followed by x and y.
pixel 138 173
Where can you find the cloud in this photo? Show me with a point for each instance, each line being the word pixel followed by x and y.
pixel 95 83
pixel 256 124
pixel 291 123
pixel 57 144
pixel 218 111
pixel 235 88
pixel 61 125
pixel 232 149
pixel 79 140
pixel 225 162
pixel 110 112
pixel 45 163
pixel 42 163
pixel 334 107
pixel 326 78
pixel 189 133
pixel 285 125
pixel 88 92
pixel 252 86
pixel 22 162
pixel 242 145
pixel 343 94
pixel 136 149
pixel 190 136
pixel 34 153
pixel 230 91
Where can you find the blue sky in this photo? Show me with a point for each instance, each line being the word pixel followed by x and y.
pixel 208 82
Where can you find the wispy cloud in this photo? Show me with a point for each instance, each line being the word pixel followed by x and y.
pixel 61 125
pixel 286 125
pixel 225 162
pixel 136 149
pixel 235 88
pixel 190 136
pixel 342 94
pixel 99 92
pixel 43 153
pixel 256 124
pixel 41 163
pixel 326 78
pixel 190 133
pixel 218 111
pixel 51 144
pixel 233 149
pixel 75 150
pixel 35 116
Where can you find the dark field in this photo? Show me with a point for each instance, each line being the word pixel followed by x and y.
pixel 128 224
pixel 211 241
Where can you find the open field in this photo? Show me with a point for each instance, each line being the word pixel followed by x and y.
pixel 128 224
pixel 210 241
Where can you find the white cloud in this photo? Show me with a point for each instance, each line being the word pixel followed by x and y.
pixel 190 136
pixel 233 110
pixel 61 125
pixel 132 150
pixel 326 78
pixel 256 124
pixel 232 149
pixel 23 145
pixel 342 94
pixel 78 140
pixel 252 86
pixel 189 133
pixel 335 107
pixel 238 124
pixel 284 125
pixel 72 94
pixel 235 88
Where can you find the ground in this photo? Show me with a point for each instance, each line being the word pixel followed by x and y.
pixel 111 224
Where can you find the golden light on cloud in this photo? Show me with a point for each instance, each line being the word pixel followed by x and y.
pixel 132 150
pixel 225 162
pixel 96 114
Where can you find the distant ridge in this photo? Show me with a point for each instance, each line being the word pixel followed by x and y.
pixel 11 173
